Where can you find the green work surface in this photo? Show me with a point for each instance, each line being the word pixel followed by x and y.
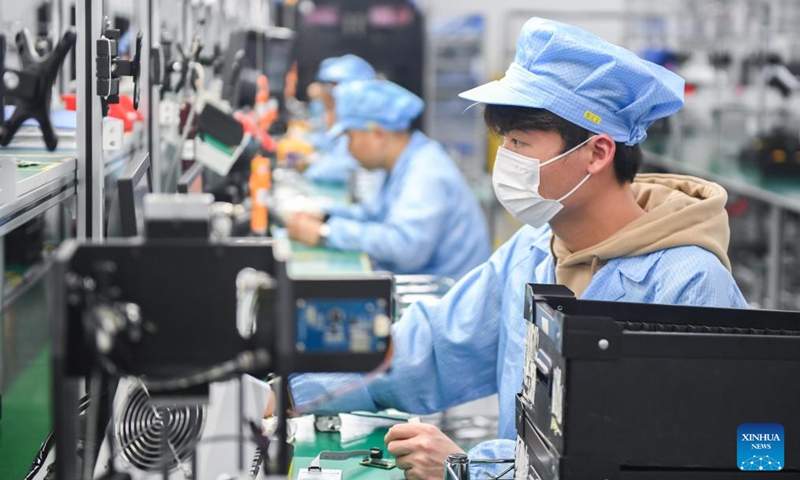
pixel 42 165
pixel 308 261
pixel 313 261
pixel 309 443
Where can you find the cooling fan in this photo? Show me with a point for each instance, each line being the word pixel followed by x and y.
pixel 142 425
pixel 147 430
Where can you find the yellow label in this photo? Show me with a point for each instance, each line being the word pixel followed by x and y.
pixel 592 117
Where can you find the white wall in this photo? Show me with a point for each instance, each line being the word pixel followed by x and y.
pixel 14 13
pixel 504 18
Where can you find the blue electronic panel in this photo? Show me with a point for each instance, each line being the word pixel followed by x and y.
pixel 342 325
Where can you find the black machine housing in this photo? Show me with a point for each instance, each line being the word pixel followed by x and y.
pixel 642 391
pixel 185 290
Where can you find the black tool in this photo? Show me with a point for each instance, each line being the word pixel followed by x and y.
pixel 375 459
pixel 32 86
pixel 110 68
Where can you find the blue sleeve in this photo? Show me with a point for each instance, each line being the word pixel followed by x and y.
pixel 492 450
pixel 407 238
pixel 445 351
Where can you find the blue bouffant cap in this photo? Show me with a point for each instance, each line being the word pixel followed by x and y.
pixel 361 105
pixel 584 80
pixel 344 69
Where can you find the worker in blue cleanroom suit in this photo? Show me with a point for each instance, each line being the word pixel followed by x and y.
pixel 335 164
pixel 572 109
pixel 424 219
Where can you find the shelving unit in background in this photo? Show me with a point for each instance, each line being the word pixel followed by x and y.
pixel 455 64
pixel 722 115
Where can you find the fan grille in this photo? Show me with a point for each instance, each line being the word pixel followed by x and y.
pixel 141 429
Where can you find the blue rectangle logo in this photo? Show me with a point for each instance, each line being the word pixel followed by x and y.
pixel 760 447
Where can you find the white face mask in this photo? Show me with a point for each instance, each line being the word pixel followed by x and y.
pixel 516 183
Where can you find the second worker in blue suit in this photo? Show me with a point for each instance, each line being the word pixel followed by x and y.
pixel 335 165
pixel 424 219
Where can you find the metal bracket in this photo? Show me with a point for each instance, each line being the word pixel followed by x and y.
pixel 110 68
pixel 31 86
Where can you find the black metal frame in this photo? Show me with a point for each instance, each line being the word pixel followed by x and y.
pixel 189 176
pixel 126 186
pixel 33 86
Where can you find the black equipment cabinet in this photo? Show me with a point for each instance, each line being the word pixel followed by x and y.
pixel 636 391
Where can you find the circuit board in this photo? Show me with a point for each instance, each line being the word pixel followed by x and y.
pixel 342 325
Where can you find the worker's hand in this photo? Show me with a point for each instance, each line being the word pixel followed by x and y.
pixel 314 90
pixel 420 449
pixel 315 214
pixel 304 227
pixel 269 410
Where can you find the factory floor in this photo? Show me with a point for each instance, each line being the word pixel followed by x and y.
pixel 24 382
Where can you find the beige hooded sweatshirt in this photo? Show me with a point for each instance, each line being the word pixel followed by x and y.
pixel 681 211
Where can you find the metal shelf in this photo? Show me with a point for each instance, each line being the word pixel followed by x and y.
pixel 41 191
pixel 37 192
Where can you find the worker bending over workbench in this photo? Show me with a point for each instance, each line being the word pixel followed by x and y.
pixel 424 219
pixel 335 164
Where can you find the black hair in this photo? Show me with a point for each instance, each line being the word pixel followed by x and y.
pixel 502 119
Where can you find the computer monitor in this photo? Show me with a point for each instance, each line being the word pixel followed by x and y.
pixel 132 185
pixel 191 180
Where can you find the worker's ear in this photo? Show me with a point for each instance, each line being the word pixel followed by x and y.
pixel 602 149
pixel 379 133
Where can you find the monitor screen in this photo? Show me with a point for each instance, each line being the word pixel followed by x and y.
pixel 191 180
pixel 126 218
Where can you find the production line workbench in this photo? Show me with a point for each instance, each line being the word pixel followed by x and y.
pixel 45 180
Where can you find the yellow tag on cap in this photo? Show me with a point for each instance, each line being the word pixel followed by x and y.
pixel 594 118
